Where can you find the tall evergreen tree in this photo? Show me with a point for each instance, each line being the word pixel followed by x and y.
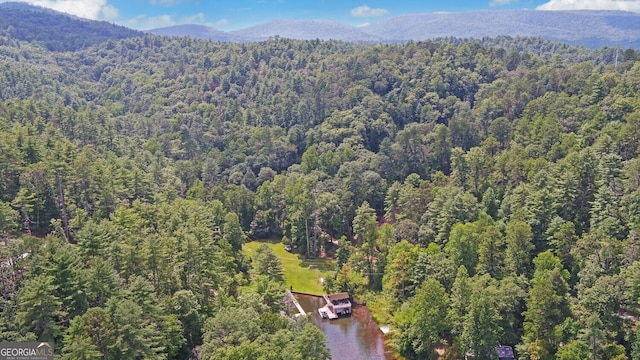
pixel 481 331
pixel 265 262
pixel 547 304
pixel 40 311
pixel 233 232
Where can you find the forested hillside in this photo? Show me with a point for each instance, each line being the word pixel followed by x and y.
pixel 55 30
pixel 479 194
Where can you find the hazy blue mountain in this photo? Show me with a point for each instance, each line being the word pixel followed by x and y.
pixel 55 30
pixel 62 32
pixel 306 30
pixel 198 32
pixel 588 28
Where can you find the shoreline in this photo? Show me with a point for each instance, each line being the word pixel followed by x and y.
pixel 369 333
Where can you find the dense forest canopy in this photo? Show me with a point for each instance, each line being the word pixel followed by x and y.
pixel 482 191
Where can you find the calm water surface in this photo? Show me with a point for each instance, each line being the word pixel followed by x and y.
pixel 351 338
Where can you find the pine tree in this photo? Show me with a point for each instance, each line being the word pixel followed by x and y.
pixel 401 261
pixel 482 329
pixel 547 305
pixel 39 309
pixel 80 348
pixel 233 232
pixel 519 247
pixel 135 336
pixel 265 262
pixel 8 221
pixel 185 306
pixel 365 228
pixel 460 300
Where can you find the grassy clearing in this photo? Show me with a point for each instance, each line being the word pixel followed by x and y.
pixel 301 274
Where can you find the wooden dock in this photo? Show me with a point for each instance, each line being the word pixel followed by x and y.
pixel 292 299
pixel 326 313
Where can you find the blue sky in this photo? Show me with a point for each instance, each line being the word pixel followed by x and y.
pixel 237 14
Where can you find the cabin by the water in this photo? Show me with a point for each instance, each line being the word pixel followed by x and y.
pixel 336 305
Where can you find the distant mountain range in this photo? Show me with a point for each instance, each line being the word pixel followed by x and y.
pixel 198 32
pixel 62 32
pixel 306 30
pixel 589 28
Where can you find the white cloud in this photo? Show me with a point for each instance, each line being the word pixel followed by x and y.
pixel 144 22
pixel 198 18
pixel 365 11
pixel 102 10
pixel 110 13
pixel 502 2
pixel 626 5
pixel 88 9
pixel 221 23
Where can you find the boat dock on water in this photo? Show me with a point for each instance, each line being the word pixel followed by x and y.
pixel 336 305
pixel 291 303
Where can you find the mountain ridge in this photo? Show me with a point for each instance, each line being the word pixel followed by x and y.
pixel 590 28
pixel 57 31
pixel 574 26
pixel 306 30
pixel 199 32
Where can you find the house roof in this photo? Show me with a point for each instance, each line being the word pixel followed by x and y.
pixel 505 352
pixel 339 296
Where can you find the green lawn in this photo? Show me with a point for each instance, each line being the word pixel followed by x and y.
pixel 301 274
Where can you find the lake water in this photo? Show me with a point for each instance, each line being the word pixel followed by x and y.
pixel 352 338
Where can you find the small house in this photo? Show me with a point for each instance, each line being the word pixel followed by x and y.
pixel 336 305
pixel 340 304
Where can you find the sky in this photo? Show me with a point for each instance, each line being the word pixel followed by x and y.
pixel 238 14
